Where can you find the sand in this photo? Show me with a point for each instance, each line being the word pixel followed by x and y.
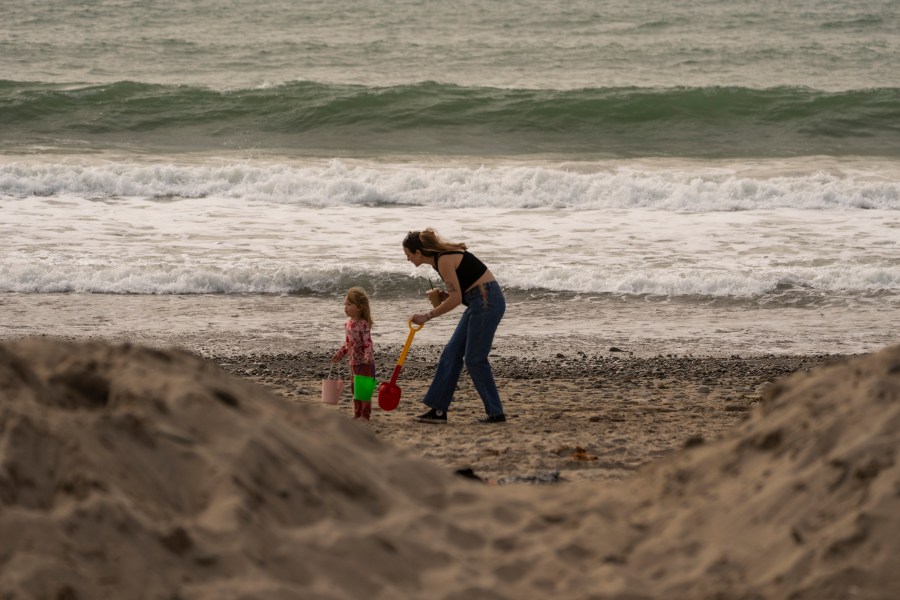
pixel 135 472
pixel 570 416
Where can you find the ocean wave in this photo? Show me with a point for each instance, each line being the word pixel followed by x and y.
pixel 346 120
pixel 707 188
pixel 775 285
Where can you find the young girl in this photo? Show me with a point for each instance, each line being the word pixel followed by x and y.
pixel 358 344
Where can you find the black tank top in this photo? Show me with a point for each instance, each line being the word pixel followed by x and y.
pixel 470 269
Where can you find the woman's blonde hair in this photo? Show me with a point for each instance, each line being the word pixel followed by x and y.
pixel 429 243
pixel 358 298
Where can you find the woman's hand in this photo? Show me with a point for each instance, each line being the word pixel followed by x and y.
pixel 436 296
pixel 420 318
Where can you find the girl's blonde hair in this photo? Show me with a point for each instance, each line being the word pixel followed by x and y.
pixel 358 298
pixel 429 243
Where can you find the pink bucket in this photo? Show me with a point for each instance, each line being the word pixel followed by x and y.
pixel 332 388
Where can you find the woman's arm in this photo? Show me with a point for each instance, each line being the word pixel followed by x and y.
pixel 447 269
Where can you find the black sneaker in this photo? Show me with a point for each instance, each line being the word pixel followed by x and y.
pixel 501 418
pixel 433 416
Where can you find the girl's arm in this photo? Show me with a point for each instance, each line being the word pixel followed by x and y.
pixel 341 353
pixel 343 350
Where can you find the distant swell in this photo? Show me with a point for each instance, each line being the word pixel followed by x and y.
pixel 433 118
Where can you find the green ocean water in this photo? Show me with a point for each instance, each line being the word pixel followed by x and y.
pixel 593 79
pixel 224 44
pixel 713 158
pixel 341 120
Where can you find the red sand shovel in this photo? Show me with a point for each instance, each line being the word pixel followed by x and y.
pixel 389 393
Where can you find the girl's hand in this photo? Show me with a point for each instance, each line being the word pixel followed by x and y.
pixel 419 319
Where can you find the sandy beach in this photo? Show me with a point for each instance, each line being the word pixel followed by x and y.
pixel 629 385
pixel 571 417
pixel 168 446
pixel 191 456
pixel 136 472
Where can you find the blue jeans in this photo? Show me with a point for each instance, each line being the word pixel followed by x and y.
pixel 470 344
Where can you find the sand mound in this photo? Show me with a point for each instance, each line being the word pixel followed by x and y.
pixel 801 501
pixel 127 472
pixel 134 473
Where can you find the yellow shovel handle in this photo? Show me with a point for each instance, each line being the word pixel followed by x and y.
pixel 412 331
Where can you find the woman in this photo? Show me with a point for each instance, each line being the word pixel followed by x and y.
pixel 471 283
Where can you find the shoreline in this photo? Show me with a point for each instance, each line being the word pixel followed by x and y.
pixel 235 324
pixel 577 409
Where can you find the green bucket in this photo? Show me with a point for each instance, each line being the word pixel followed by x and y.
pixel 363 388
